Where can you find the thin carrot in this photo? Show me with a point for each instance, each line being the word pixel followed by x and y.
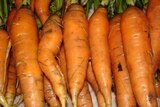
pixel 24 38
pixel 50 96
pixel 153 14
pixel 84 98
pixel 49 47
pixel 98 32
pixel 42 9
pixel 10 18
pixel 76 48
pixel 4 53
pixel 138 53
pixel 92 81
pixel 11 86
pixel 124 93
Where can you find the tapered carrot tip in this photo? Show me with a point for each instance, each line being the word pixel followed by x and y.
pixel 3 101
pixel 63 102
pixel 74 100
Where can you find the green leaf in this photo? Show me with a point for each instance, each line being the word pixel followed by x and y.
pixel 96 4
pixel 111 8
pixel 88 6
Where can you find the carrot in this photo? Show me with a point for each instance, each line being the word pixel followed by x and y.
pixel 84 98
pixel 24 39
pixel 138 53
pixel 92 81
pixel 153 14
pixel 19 4
pixel 42 9
pixel 76 48
pixel 11 86
pixel 62 64
pixel 49 47
pixel 124 93
pixel 10 18
pixel 4 54
pixel 98 31
pixel 49 94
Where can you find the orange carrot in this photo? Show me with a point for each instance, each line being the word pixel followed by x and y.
pixel 24 38
pixel 76 48
pixel 62 64
pixel 10 18
pixel 42 9
pixel 84 98
pixel 98 32
pixel 138 53
pixel 49 94
pixel 4 53
pixel 124 93
pixel 153 14
pixel 49 47
pixel 92 81
pixel 11 86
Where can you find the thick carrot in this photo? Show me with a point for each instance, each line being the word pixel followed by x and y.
pixel 50 96
pixel 98 32
pixel 4 52
pixel 76 48
pixel 42 9
pixel 124 93
pixel 84 98
pixel 153 14
pixel 92 81
pixel 49 47
pixel 11 86
pixel 138 53
pixel 24 38
pixel 19 4
pixel 62 64
pixel 10 18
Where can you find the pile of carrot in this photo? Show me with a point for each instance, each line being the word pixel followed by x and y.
pixel 55 50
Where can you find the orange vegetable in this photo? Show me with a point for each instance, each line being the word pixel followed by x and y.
pixel 10 18
pixel 138 53
pixel 49 47
pixel 24 38
pixel 76 48
pixel 98 32
pixel 124 93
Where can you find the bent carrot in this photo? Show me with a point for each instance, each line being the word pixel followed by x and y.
pixel 138 53
pixel 24 38
pixel 42 9
pixel 92 81
pixel 50 96
pixel 153 14
pixel 98 32
pixel 84 98
pixel 11 85
pixel 49 47
pixel 76 48
pixel 124 93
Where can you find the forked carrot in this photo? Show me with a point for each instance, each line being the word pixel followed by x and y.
pixel 98 32
pixel 76 48
pixel 49 47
